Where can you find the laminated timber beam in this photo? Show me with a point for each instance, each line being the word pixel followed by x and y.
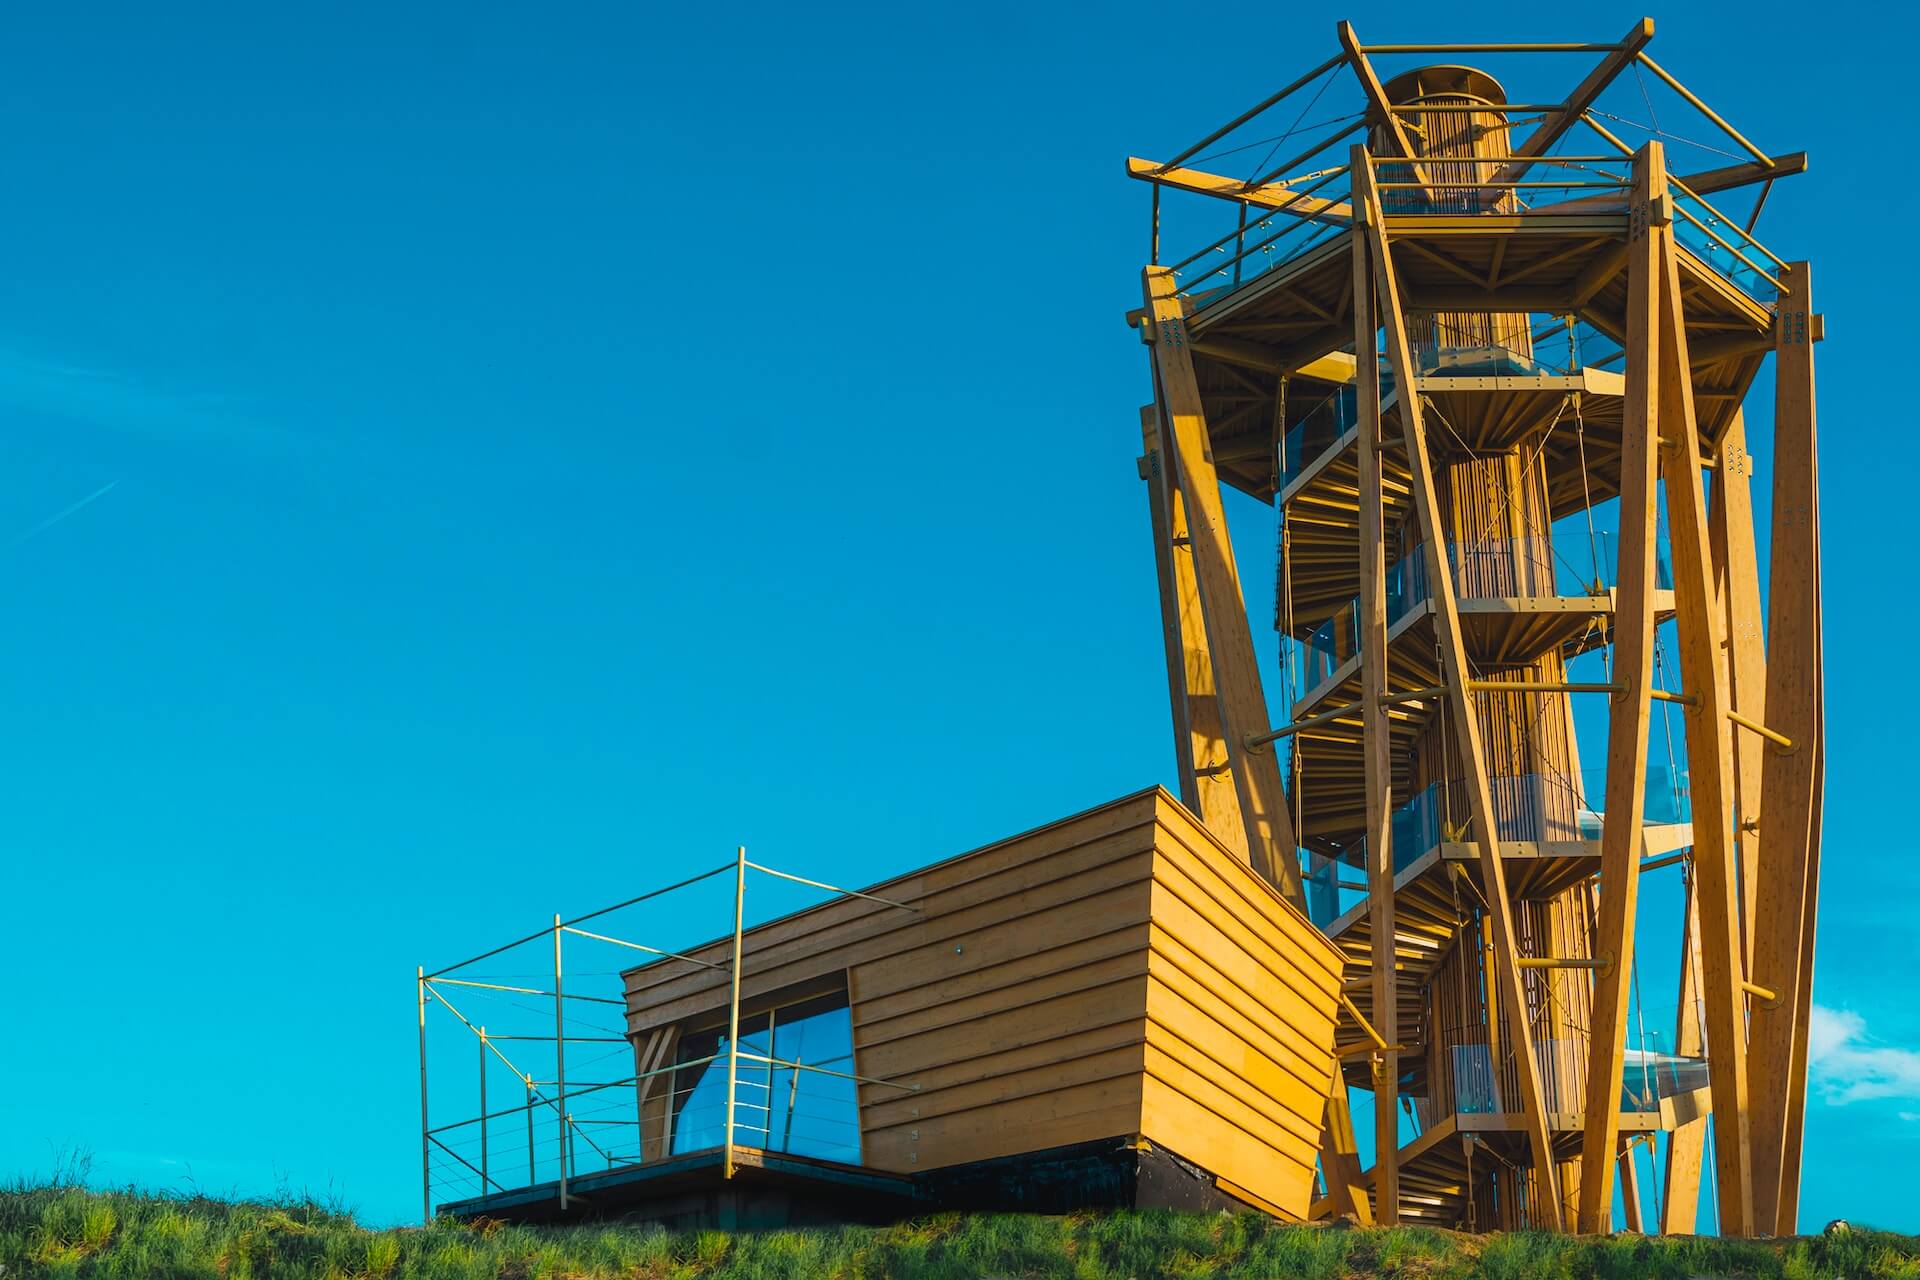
pixel 1243 709
pixel 1504 950
pixel 1379 110
pixel 1790 795
pixel 1709 761
pixel 1550 130
pixel 1737 587
pixel 1376 736
pixel 1277 196
pixel 1630 713
pixel 1206 779
pixel 1686 1147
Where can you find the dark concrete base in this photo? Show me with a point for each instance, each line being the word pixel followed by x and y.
pixel 770 1190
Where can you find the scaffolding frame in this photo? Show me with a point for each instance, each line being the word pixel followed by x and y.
pixel 556 1095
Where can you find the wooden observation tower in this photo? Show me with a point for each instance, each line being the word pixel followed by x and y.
pixel 1487 360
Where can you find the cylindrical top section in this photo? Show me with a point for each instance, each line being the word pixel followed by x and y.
pixel 1455 127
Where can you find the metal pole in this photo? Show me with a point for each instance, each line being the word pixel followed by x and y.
pixel 733 1001
pixel 532 1176
pixel 426 1158
pixel 560 1060
pixel 1153 251
pixel 485 1181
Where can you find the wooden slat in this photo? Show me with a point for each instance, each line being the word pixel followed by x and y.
pixel 1243 707
pixel 1175 1121
pixel 1629 713
pixel 1790 797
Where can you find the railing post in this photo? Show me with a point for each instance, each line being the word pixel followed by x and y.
pixel 485 1180
pixel 733 1004
pixel 532 1162
pixel 560 1061
pixel 426 1159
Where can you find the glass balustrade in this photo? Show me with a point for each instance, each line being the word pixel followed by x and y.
pixel 1649 1073
pixel 1534 807
pixel 1495 568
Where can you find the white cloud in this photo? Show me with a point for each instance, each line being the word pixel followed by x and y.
pixel 1850 1066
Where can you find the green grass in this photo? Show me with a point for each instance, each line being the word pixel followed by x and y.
pixel 52 1230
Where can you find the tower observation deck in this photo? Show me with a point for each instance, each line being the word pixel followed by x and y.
pixel 1484 345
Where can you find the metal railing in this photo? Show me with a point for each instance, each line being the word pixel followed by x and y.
pixel 573 1126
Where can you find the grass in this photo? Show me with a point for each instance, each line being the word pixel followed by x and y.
pixel 61 1230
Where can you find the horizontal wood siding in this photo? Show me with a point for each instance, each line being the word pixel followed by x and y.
pixel 1242 997
pixel 1115 974
pixel 1015 998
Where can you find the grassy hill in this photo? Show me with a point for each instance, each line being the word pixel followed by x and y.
pixel 63 1231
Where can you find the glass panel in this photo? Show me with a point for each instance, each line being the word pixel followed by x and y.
pixel 1316 432
pixel 815 1114
pixel 777 1107
pixel 1723 246
pixel 1473 1090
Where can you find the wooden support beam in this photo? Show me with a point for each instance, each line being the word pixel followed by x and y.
pixel 1206 779
pixel 1630 712
pixel 1709 758
pixel 1340 1157
pixel 1737 608
pixel 1597 274
pixel 1380 111
pixel 1243 707
pixel 1274 195
pixel 1456 673
pixel 1790 792
pixel 1631 1202
pixel 1733 176
pixel 1686 1147
pixel 1376 736
pixel 1550 130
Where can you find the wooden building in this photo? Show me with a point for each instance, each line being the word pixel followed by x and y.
pixel 1112 1009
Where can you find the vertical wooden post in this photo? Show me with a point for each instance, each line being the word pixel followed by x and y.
pixel 1374 736
pixel 1737 578
pixel 1339 1157
pixel 1456 673
pixel 1630 1187
pixel 1630 711
pixel 1686 1145
pixel 1243 709
pixel 1206 780
pixel 1790 796
pixel 1709 758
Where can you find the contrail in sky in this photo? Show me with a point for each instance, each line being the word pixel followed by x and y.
pixel 58 516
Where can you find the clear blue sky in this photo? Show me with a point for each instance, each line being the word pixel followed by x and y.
pixel 547 449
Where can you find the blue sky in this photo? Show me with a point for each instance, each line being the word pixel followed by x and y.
pixel 541 451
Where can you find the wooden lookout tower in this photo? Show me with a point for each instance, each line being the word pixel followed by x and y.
pixel 1484 350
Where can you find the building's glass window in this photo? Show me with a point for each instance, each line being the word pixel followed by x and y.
pixel 780 1105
